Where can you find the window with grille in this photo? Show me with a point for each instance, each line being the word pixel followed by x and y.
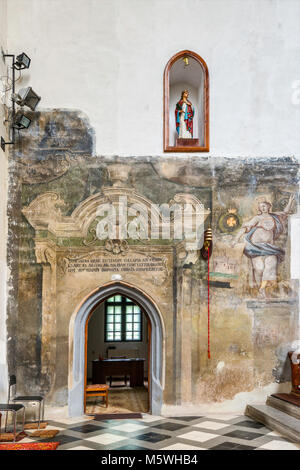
pixel 123 320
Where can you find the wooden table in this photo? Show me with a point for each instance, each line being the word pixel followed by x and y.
pixel 134 368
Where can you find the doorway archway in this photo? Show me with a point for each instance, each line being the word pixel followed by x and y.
pixel 77 344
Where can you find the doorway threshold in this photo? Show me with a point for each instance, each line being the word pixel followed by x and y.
pixel 108 416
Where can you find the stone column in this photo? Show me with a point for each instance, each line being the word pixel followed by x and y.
pixel 185 315
pixel 184 325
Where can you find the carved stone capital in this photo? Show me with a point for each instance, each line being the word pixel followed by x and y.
pixel 45 252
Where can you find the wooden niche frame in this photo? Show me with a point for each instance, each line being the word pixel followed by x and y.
pixel 167 146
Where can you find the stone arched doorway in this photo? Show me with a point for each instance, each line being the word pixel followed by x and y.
pixel 77 344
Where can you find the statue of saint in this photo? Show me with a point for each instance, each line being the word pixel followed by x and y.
pixel 184 114
pixel 261 233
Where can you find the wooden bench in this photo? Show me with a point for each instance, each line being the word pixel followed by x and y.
pixel 97 390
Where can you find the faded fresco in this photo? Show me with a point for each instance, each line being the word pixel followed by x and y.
pixel 261 232
pixel 57 259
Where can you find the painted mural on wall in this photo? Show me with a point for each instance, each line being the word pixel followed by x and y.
pixel 260 241
pixel 61 259
pixel 261 233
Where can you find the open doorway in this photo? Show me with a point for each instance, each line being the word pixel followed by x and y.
pixel 77 344
pixel 118 351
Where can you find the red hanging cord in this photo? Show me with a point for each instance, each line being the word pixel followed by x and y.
pixel 208 314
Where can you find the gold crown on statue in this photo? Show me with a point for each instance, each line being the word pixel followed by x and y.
pixel 232 210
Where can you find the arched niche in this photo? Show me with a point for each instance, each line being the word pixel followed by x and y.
pixel 186 70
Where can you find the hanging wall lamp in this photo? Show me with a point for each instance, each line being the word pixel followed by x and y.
pixel 27 97
pixel 22 61
pixel 21 121
pixel 24 97
pixel 186 61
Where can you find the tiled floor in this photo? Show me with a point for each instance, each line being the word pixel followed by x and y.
pixel 218 432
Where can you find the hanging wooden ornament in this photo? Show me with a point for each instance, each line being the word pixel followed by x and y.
pixel 208 312
pixel 206 251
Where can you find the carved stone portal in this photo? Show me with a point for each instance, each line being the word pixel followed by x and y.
pixel 76 261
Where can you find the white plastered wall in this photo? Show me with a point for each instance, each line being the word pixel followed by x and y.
pixel 107 59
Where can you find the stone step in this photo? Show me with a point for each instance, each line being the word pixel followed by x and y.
pixel 284 406
pixel 276 420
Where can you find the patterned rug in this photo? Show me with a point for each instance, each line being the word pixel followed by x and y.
pixel 44 433
pixel 43 425
pixel 30 446
pixel 9 436
pixel 120 400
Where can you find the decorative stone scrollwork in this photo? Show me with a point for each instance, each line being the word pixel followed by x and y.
pixel 44 210
pixel 94 239
pixel 143 218
pixel 116 247
pixel 45 253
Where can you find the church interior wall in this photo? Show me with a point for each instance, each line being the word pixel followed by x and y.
pixel 250 335
pixel 102 105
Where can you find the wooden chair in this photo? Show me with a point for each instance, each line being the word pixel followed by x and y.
pixel 97 390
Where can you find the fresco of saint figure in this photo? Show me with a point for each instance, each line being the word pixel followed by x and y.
pixel 261 233
pixel 184 115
